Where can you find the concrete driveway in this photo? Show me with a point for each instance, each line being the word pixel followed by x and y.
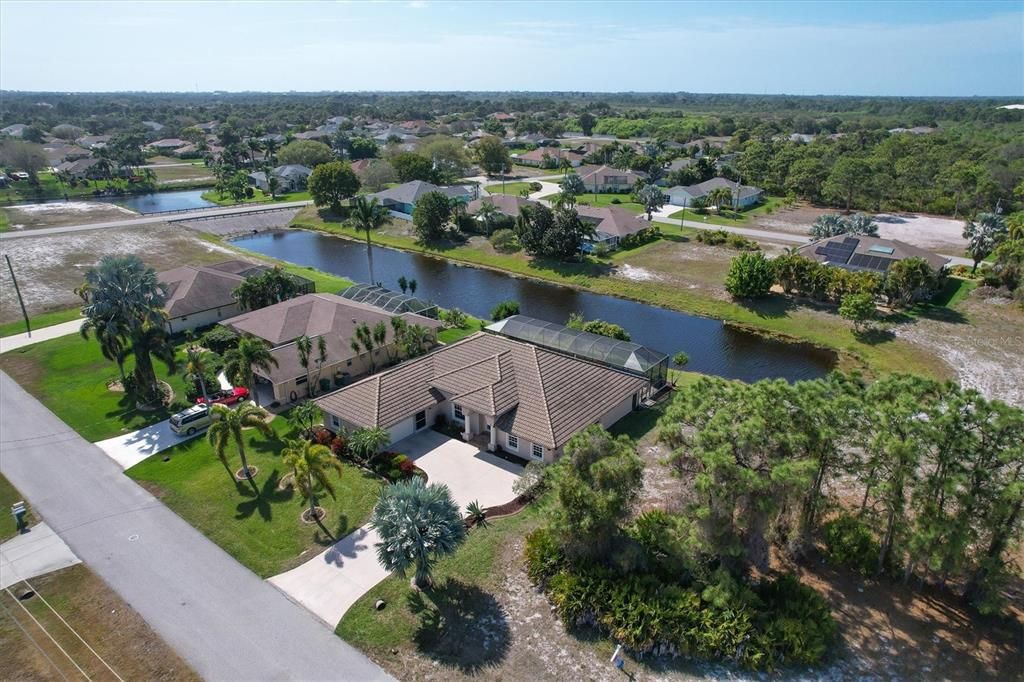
pixel 131 448
pixel 34 553
pixel 43 334
pixel 331 582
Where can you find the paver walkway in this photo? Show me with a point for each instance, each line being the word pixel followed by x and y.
pixel 42 334
pixel 330 583
pixel 37 552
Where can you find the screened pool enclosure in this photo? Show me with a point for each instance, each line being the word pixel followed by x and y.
pixel 390 301
pixel 624 355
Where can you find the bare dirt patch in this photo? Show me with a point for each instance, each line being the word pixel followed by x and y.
pixel 49 267
pixel 685 264
pixel 57 214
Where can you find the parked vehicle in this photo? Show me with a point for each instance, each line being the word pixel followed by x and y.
pixel 193 419
pixel 235 395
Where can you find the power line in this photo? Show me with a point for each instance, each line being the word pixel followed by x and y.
pixel 34 642
pixel 47 633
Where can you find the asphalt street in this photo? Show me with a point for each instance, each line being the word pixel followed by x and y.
pixel 226 622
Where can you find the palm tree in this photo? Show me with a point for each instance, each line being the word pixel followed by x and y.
pixel 367 214
pixel 303 417
pixel 363 341
pixel 415 339
pixel 720 196
pixel 255 146
pixel 310 464
pixel 124 306
pixel 565 165
pixel 418 524
pixel 241 363
pixel 983 235
pixel 304 345
pixel 487 214
pixel 270 145
pixel 228 425
pixel 196 368
pixel 366 443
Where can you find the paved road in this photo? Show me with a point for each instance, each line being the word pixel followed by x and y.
pixel 226 622
pixel 156 218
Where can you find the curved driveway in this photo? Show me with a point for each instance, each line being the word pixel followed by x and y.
pixel 226 622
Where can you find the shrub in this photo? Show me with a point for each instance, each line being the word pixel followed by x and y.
pixel 339 446
pixel 616 200
pixel 544 557
pixel 712 237
pixel 680 359
pixel 800 627
pixel 477 515
pixel 194 390
pixel 536 187
pixel 750 275
pixel 740 243
pixel 399 467
pixel 532 482
pixel 219 340
pixel 455 318
pixel 504 240
pixel 504 309
pixel 600 250
pixel 323 437
pixel 644 236
pixel 850 542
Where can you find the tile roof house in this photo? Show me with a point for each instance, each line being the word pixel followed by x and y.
pixel 319 315
pixel 15 130
pixel 744 196
pixel 401 200
pixel 93 141
pixel 167 144
pixel 612 224
pixel 529 400
pixel 507 204
pixel 548 157
pixel 599 179
pixel 291 178
pixel 862 252
pixel 88 168
pixel 198 296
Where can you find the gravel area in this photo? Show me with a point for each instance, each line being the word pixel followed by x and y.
pixel 230 226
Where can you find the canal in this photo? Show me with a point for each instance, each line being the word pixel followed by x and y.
pixel 713 347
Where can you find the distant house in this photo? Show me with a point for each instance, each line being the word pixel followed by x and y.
pixel 679 164
pixel 82 169
pixel 167 144
pixel 291 178
pixel 93 141
pixel 313 135
pixel 867 253
pixel 15 130
pixel 208 127
pixel 548 157
pixel 331 317
pixel 611 223
pixel 601 179
pixel 198 296
pixel 58 152
pixel 502 117
pixel 743 196
pixel 153 125
pixel 401 200
pixel 506 204
pixel 916 130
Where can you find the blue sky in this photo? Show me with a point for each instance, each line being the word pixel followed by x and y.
pixel 866 48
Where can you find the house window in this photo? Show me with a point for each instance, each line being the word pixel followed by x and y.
pixel 301 380
pixel 538 451
pixel 457 412
pixel 335 422
pixel 348 363
pixel 421 420
pixel 513 442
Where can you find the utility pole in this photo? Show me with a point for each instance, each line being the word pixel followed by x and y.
pixel 21 302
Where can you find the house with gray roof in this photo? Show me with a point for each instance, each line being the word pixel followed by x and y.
pixel 14 130
pixel 526 399
pixel 861 252
pixel 327 316
pixel 401 200
pixel 601 179
pixel 89 168
pixel 743 196
pixel 611 224
pixel 290 178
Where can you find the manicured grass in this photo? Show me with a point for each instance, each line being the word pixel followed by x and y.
pixel 258 197
pixel 641 425
pixel 776 315
pixel 39 321
pixel 602 200
pixel 325 283
pixel 512 188
pixel 5 222
pixel 264 533
pixel 8 496
pixel 954 291
pixel 452 335
pixel 461 597
pixel 731 218
pixel 176 175
pixel 69 376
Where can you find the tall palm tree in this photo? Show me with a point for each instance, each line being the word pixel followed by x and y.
pixel 418 524
pixel 254 146
pixel 415 339
pixel 363 342
pixel 196 368
pixel 720 196
pixel 487 214
pixel 270 145
pixel 227 427
pixel 124 306
pixel 304 346
pixel 367 214
pixel 241 363
pixel 311 464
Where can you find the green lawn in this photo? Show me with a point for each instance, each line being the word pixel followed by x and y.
pixel 266 534
pixel 8 496
pixel 602 200
pixel 513 188
pixel 640 425
pixel 473 325
pixel 452 610
pixel 731 218
pixel 5 222
pixel 69 376
pixel 39 321
pixel 257 197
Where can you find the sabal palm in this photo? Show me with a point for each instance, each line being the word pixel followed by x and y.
pixel 242 362
pixel 304 347
pixel 311 464
pixel 982 235
pixel 367 214
pixel 196 368
pixel 418 524
pixel 227 427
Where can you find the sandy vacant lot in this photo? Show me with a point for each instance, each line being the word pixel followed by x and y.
pixel 50 267
pixel 33 216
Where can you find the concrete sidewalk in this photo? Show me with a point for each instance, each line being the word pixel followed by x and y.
pixel 43 334
pixel 37 552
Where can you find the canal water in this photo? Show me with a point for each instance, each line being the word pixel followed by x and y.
pixel 713 347
pixel 163 201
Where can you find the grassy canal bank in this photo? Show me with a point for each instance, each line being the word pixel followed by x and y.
pixel 776 316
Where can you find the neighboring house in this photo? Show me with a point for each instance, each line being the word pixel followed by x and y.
pixel 867 253
pixel 507 204
pixel 401 200
pixel 319 315
pixel 602 179
pixel 548 157
pixel 15 130
pixel 680 164
pixel 82 169
pixel 804 138
pixel 313 135
pixel 502 117
pixel 744 196
pixel 291 178
pixel 153 125
pixel 525 399
pixel 916 130
pixel 93 141
pixel 167 144
pixel 58 152
pixel 201 296
pixel 611 223
pixel 208 127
